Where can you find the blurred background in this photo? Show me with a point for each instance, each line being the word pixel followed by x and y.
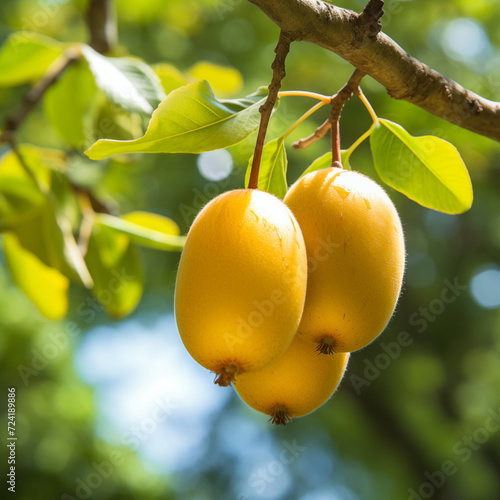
pixel 118 410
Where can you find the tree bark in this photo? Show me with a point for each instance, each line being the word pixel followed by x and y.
pixel 349 35
pixel 102 25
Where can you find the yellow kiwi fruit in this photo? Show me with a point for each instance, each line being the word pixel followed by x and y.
pixel 356 257
pixel 241 283
pixel 295 384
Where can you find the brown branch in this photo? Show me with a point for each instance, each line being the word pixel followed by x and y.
pixel 31 99
pixel 102 25
pixel 347 34
pixel 344 94
pixel 278 67
pixel 338 102
pixel 315 136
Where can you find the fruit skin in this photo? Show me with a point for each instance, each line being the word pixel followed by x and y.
pixel 356 257
pixel 241 283
pixel 296 384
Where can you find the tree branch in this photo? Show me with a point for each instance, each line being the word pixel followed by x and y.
pixel 278 67
pixel 102 25
pixel 338 103
pixel 31 99
pixel 351 37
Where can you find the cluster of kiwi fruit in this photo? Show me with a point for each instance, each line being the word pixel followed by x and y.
pixel 273 296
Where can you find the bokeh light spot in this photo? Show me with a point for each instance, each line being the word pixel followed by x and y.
pixel 215 165
pixel 464 39
pixel 485 287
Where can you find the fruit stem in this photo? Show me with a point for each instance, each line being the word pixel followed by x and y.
pixel 302 93
pixel 338 102
pixel 336 158
pixel 278 67
pixel 325 346
pixel 226 375
pixel 306 115
pixel 367 134
pixel 368 106
pixel 280 416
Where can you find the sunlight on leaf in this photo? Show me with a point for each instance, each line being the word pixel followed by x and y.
pixel 170 77
pixel 427 169
pixel 49 237
pixel 191 120
pixel 25 56
pixel 116 271
pixel 149 230
pixel 129 83
pixel 45 286
pixel 224 80
pixel 69 105
pixel 20 197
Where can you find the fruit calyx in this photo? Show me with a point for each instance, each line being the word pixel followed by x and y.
pixel 325 346
pixel 280 416
pixel 226 375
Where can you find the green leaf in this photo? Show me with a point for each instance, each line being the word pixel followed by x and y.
pixel 325 161
pixel 70 105
pixel 170 77
pixel 223 79
pixel 115 268
pixel 155 222
pixel 146 229
pixel 190 120
pixel 116 123
pixel 49 237
pixel 273 165
pixel 43 162
pixel 427 169
pixel 45 286
pixel 25 57
pixel 20 197
pixel 129 83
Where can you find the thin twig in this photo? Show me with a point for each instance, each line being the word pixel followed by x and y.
pixel 31 99
pixel 344 94
pixel 338 102
pixel 278 67
pixel 315 136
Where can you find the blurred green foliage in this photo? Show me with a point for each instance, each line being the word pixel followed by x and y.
pixel 394 422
